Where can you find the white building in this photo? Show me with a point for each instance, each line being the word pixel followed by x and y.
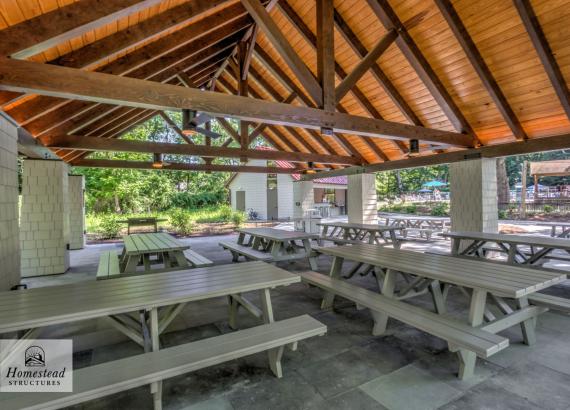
pixel 271 195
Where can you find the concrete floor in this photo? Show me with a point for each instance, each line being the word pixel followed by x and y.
pixel 346 369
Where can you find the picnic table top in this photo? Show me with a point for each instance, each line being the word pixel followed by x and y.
pixel 501 280
pixel 564 224
pixel 417 218
pixel 145 219
pixel 542 241
pixel 367 227
pixel 138 244
pixel 45 306
pixel 278 234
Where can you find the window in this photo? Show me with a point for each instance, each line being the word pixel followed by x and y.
pixel 329 196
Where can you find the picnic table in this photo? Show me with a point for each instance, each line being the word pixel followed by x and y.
pixel 483 282
pixel 345 233
pixel 557 229
pixel 141 307
pixel 142 248
pixel 146 221
pixel 417 222
pixel 520 249
pixel 281 245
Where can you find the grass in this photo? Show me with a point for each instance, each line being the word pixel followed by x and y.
pixel 210 214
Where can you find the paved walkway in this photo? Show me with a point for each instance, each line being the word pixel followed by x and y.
pixel 346 369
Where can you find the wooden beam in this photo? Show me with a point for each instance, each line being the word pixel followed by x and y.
pixel 261 127
pixel 407 45
pixel 31 37
pixel 157 58
pixel 476 60
pixel 17 75
pixel 527 146
pixel 243 90
pixel 76 142
pixel 325 53
pixel 302 72
pixel 110 163
pixel 544 52
pixel 175 127
pixel 365 64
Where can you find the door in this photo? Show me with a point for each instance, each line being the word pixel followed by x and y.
pixel 272 207
pixel 240 201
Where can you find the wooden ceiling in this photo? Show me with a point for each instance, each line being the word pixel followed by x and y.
pixel 495 70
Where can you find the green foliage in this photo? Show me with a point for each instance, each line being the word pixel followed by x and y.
pixel 226 213
pixel 238 218
pixel 199 200
pixel 390 184
pixel 503 214
pixel 440 209
pixel 548 209
pixel 410 208
pixel 109 226
pixel 181 221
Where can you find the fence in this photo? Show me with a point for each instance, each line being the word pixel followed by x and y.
pixel 542 205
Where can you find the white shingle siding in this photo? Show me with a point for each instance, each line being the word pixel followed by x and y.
pixel 285 196
pixel 473 186
pixel 255 187
pixel 9 230
pixel 44 232
pixel 76 212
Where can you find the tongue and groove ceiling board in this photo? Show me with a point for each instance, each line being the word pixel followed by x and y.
pixel 493 27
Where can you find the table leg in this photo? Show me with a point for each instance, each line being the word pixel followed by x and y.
pixel 395 241
pixel 181 260
pixel 155 388
pixel 437 296
pixel 132 262
pixel 335 272
pixel 241 237
pixel 273 354
pixel 528 326
pixel 388 286
pixel 308 249
pixel 455 243
pixel 467 358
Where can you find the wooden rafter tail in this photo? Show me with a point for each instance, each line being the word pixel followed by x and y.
pixel 478 63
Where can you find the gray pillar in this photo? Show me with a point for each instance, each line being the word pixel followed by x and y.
pixel 9 230
pixel 76 211
pixel 473 187
pixel 362 201
pixel 303 198
pixel 44 232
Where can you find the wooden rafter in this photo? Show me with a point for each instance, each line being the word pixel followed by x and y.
pixel 302 72
pixel 478 63
pixel 544 52
pixel 174 127
pixel 408 47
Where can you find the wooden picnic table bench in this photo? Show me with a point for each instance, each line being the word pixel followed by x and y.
pixel 156 300
pixel 280 244
pixel 144 221
pixel 520 249
pixel 342 233
pixel 483 282
pixel 563 232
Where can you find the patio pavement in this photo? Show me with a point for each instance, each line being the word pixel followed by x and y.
pixel 346 369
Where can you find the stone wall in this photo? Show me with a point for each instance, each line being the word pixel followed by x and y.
pixel 473 186
pixel 76 211
pixel 44 220
pixel 9 232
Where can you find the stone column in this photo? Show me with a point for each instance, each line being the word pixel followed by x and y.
pixel 303 198
pixel 473 186
pixel 9 231
pixel 362 202
pixel 44 221
pixel 76 211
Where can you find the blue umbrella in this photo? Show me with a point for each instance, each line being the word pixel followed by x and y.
pixel 434 184
pixel 423 191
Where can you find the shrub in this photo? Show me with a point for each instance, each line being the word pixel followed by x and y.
pixel 548 209
pixel 109 226
pixel 410 209
pixel 238 218
pixel 503 214
pixel 181 221
pixel 194 201
pixel 226 213
pixel 440 209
